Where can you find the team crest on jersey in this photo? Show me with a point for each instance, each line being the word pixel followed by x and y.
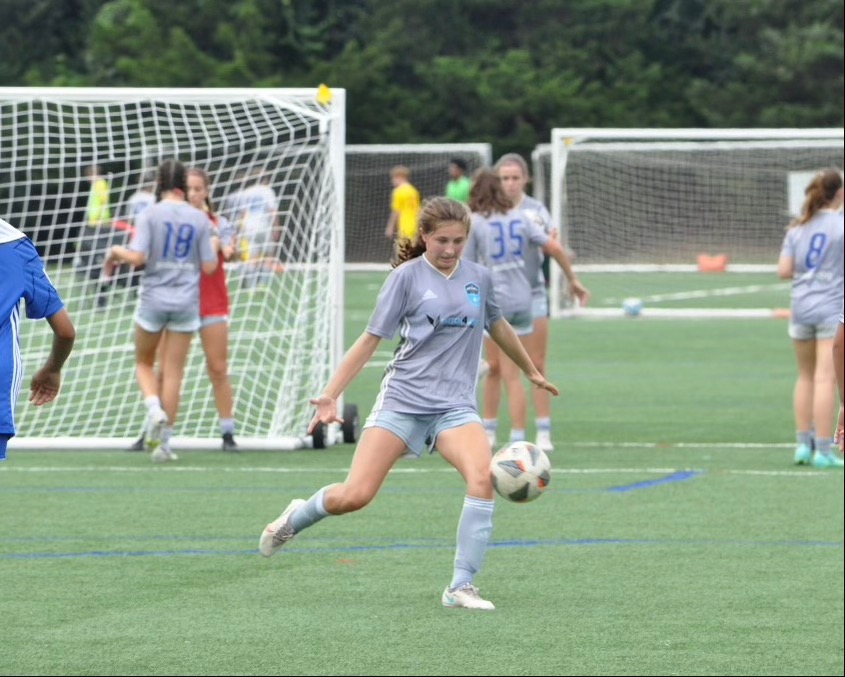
pixel 473 294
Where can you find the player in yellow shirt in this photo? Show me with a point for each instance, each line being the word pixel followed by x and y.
pixel 404 206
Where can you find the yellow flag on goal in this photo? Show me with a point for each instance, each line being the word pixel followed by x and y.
pixel 324 95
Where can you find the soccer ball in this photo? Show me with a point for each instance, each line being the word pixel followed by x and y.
pixel 632 306
pixel 521 471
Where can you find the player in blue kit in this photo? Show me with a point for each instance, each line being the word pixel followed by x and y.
pixel 24 277
pixel 440 306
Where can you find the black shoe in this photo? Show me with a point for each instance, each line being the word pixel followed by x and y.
pixel 229 443
pixel 139 444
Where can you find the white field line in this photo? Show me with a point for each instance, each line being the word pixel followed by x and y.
pixel 399 471
pixel 707 293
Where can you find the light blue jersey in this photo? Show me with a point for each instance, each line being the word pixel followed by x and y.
pixel 24 277
pixel 503 243
pixel 818 252
pixel 441 323
pixel 176 239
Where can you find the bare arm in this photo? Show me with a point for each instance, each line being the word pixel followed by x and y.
pixel 786 267
pixel 505 337
pixel 350 366
pixel 124 255
pixel 390 231
pixel 555 249
pixel 45 385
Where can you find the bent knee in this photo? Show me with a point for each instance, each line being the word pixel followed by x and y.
pixel 350 499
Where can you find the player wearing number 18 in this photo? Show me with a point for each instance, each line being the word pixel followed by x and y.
pixel 173 242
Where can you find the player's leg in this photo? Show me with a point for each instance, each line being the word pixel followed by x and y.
pixel 824 404
pixel 215 343
pixel 377 451
pixel 802 398
pixel 466 449
pixel 517 397
pixel 492 390
pixel 148 334
pixel 537 345
pixel 174 355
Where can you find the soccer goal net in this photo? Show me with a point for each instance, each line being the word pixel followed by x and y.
pixel 688 221
pixel 368 190
pixel 287 303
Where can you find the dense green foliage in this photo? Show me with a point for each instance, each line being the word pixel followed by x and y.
pixel 440 70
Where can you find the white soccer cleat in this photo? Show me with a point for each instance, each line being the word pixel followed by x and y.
pixel 466 597
pixel 279 531
pixel 163 454
pixel 156 422
pixel 544 441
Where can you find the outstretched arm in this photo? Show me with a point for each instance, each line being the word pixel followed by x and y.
pixel 350 366
pixel 505 337
pixel 45 385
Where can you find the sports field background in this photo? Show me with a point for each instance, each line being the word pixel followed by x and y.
pixel 676 536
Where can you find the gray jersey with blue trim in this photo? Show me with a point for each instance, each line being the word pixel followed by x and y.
pixel 176 239
pixel 504 242
pixel 818 251
pixel 441 323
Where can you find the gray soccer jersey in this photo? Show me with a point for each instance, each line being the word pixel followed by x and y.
pixel 176 239
pixel 504 243
pixel 256 208
pixel 138 202
pixel 816 249
pixel 440 323
pixel 536 212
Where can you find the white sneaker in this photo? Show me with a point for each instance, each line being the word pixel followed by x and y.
pixel 164 454
pixel 156 422
pixel 544 441
pixel 465 597
pixel 279 531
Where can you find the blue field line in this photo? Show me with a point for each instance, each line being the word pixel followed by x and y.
pixel 405 547
pixel 681 476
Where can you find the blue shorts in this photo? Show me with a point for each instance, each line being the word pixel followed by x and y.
pixel 420 430
pixel 812 332
pixel 155 321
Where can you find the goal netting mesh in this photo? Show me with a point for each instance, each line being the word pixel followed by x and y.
pixel 287 305
pixel 688 221
pixel 368 190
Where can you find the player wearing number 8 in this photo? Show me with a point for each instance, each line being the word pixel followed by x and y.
pixel 812 257
pixel 173 242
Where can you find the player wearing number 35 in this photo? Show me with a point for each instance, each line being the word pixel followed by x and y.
pixel 812 257
pixel 173 242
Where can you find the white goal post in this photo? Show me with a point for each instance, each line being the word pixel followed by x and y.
pixel 286 325
pixel 645 210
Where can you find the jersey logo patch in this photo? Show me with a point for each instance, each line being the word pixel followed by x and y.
pixel 473 294
pixel 429 295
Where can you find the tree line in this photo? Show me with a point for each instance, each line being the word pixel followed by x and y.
pixel 494 71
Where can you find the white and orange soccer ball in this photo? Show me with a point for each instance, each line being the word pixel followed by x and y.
pixel 521 471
